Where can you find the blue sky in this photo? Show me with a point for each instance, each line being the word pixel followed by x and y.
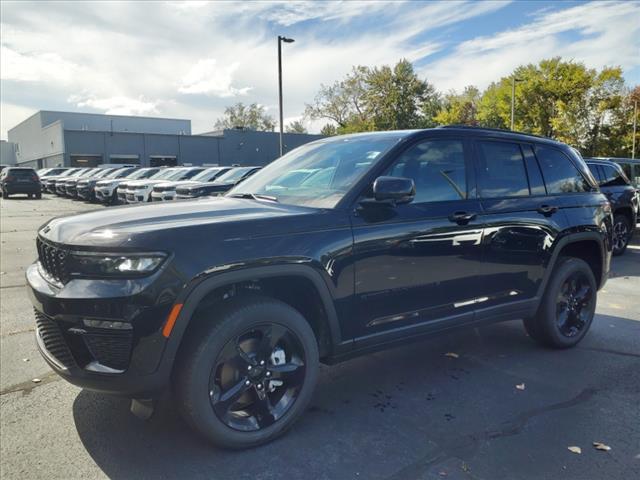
pixel 191 59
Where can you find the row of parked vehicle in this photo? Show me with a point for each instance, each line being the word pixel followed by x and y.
pixel 121 184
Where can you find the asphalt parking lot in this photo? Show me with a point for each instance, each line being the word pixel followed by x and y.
pixel 408 413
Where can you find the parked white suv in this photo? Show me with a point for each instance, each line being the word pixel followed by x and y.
pixel 167 190
pixel 140 190
pixel 107 190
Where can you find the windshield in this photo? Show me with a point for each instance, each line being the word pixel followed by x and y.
pixel 69 173
pixel 120 172
pixel 318 174
pixel 164 174
pixel 142 173
pixel 207 174
pixel 234 175
pixel 104 173
pixel 185 173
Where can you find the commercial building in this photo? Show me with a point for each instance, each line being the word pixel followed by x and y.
pixel 49 139
pixel 7 153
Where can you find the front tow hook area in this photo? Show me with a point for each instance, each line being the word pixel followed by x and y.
pixel 143 408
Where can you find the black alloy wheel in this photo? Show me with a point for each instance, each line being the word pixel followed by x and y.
pixel 568 305
pixel 257 377
pixel 621 231
pixel 247 371
pixel 573 304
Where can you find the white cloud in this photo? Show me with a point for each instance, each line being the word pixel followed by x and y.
pixel 206 76
pixel 119 105
pixel 608 36
pixel 190 60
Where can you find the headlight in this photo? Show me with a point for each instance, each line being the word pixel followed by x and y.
pixel 111 265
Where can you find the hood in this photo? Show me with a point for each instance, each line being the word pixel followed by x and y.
pixel 207 185
pixel 135 225
pixel 111 181
pixel 133 183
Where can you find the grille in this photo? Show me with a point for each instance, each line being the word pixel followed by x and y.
pixel 53 340
pixel 111 350
pixel 54 260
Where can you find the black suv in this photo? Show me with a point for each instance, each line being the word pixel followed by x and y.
pixel 20 180
pixel 234 300
pixel 623 198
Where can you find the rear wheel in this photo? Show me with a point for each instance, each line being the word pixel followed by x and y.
pixel 39 195
pixel 246 375
pixel 568 306
pixel 621 233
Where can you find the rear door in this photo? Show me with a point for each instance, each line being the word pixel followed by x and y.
pixel 520 221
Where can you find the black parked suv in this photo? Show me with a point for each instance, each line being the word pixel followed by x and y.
pixel 623 197
pixel 234 300
pixel 15 180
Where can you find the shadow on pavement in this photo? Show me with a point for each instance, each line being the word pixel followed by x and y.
pixel 413 412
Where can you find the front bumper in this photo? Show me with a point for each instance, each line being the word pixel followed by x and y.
pixel 163 196
pixel 135 197
pixel 126 361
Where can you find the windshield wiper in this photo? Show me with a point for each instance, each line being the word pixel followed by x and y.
pixel 254 196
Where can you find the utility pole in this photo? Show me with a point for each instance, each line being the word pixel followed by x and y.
pixel 513 100
pixel 280 40
pixel 635 121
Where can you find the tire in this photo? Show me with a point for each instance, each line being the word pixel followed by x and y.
pixel 241 321
pixel 560 303
pixel 621 234
pixel 6 195
pixel 38 196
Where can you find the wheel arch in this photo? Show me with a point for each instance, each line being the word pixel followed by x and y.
pixel 193 298
pixel 588 246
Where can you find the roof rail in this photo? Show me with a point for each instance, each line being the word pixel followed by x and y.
pixel 501 130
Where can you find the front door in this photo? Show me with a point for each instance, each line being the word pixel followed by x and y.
pixel 416 265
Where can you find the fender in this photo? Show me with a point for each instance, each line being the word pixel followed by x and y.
pixel 191 296
pixel 567 240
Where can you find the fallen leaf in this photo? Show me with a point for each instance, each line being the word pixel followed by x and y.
pixel 451 354
pixel 577 450
pixel 601 446
pixel 25 359
pixel 36 380
pixel 520 386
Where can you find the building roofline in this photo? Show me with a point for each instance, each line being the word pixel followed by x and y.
pixel 113 115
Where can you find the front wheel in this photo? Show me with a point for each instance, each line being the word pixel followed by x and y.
pixel 621 234
pixel 567 307
pixel 246 374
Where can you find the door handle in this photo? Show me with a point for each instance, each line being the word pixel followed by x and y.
pixel 547 210
pixel 462 218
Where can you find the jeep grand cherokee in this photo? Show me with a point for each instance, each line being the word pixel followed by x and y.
pixel 233 301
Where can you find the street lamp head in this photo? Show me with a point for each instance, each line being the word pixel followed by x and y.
pixel 286 40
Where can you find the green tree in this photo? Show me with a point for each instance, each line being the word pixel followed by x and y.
pixel 460 109
pixel 295 127
pixel 329 130
pixel 381 98
pixel 250 117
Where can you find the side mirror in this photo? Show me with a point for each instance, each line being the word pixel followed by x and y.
pixel 393 190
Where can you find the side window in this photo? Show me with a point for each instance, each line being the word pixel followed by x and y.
pixel 437 168
pixel 595 171
pixel 501 170
pixel 612 177
pixel 560 175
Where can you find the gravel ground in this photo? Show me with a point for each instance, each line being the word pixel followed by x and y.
pixel 408 413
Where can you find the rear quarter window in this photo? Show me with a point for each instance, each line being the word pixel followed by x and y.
pixel 559 173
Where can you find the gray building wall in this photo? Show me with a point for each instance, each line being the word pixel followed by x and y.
pixel 41 135
pixel 7 153
pixel 48 139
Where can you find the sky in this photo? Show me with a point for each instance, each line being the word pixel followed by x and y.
pixel 191 59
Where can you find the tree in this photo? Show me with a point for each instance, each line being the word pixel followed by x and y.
pixel 250 117
pixel 380 98
pixel 329 130
pixel 460 109
pixel 295 127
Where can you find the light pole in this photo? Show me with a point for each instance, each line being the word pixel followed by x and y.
pixel 280 40
pixel 513 98
pixel 635 121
